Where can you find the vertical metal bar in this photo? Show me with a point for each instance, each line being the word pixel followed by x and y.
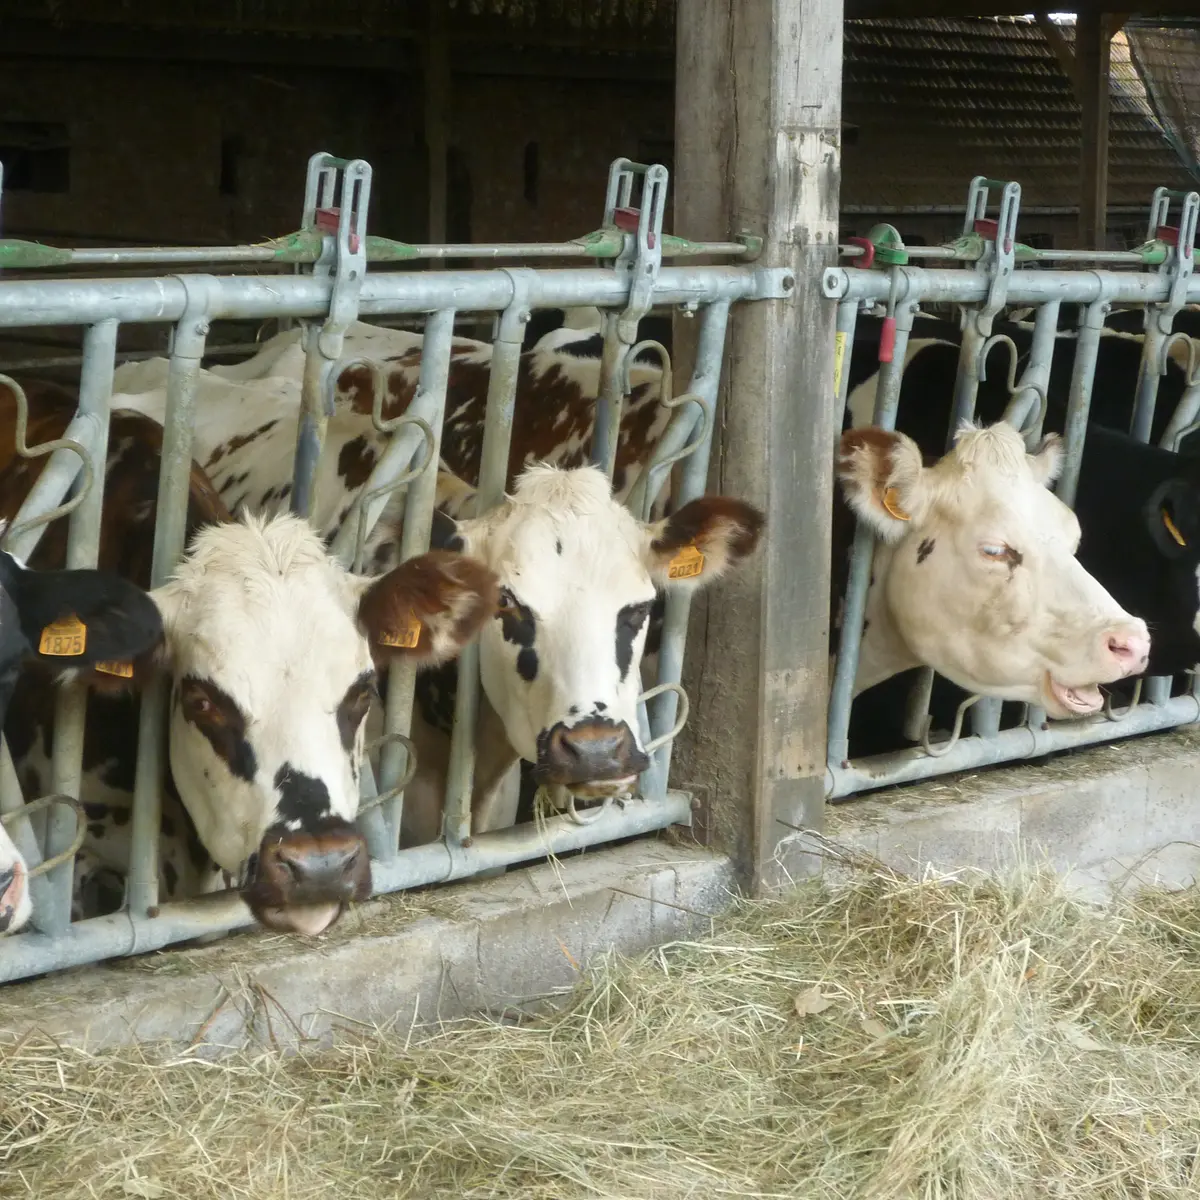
pixel 414 539
pixel 83 550
pixel 493 475
pixel 314 420
pixel 1146 395
pixel 170 531
pixel 1037 370
pixel 854 607
pixel 610 398
pixel 843 350
pixel 705 381
pixel 1079 401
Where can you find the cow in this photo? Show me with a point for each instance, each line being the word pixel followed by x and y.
pixel 561 660
pixel 976 576
pixel 272 651
pixel 68 620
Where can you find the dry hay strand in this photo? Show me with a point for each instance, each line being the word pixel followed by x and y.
pixel 970 1038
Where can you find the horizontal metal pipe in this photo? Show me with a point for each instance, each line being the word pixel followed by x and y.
pixel 1010 745
pixel 40 302
pixel 89 941
pixel 918 285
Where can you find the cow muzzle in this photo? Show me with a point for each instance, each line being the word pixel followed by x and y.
pixel 595 758
pixel 301 882
pixel 14 881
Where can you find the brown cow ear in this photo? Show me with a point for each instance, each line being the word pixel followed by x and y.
pixel 703 540
pixel 428 608
pixel 883 479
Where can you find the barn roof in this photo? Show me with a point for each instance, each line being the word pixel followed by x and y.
pixel 938 100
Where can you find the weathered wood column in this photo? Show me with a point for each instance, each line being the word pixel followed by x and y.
pixel 757 147
pixel 437 119
pixel 1093 46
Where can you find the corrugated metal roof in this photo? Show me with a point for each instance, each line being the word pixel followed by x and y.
pixel 937 100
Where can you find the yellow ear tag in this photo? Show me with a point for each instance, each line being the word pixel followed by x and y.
pixel 891 501
pixel 406 638
pixel 687 564
pixel 124 670
pixel 1172 528
pixel 64 639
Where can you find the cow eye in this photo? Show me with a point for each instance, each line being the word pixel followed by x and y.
pixel 996 550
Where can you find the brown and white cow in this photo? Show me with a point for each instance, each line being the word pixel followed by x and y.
pixel 271 648
pixel 976 574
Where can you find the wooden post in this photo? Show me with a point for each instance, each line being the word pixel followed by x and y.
pixel 757 147
pixel 1092 46
pixel 437 118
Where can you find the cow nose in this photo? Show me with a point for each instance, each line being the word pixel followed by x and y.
pixel 1128 647
pixel 589 752
pixel 308 869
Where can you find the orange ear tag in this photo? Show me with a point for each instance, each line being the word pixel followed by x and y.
pixel 64 639
pixel 1172 528
pixel 687 564
pixel 123 670
pixel 891 501
pixel 404 639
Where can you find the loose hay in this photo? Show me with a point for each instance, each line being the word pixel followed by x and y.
pixel 886 1038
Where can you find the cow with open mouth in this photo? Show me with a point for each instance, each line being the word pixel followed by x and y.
pixel 271 650
pixel 976 574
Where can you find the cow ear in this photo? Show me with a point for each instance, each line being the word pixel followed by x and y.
pixel 1172 516
pixel 883 478
pixel 1046 461
pixel 428 608
pixel 85 619
pixel 701 541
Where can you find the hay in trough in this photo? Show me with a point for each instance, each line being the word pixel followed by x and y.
pixel 884 1037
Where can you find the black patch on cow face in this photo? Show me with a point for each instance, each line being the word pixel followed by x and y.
pixel 527 664
pixel 557 547
pixel 444 535
pixel 925 549
pixel 302 798
pixel 629 624
pixel 353 708
pixel 216 715
pixel 1014 558
pixel 518 624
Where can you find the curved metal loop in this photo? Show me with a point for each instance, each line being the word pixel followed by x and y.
pixel 1193 359
pixel 47 802
pixel 685 707
pixel 378 390
pixel 944 748
pixel 589 816
pixel 664 361
pixel 410 769
pixel 1186 431
pixel 1112 714
pixel 39 451
pixel 420 464
pixel 1014 388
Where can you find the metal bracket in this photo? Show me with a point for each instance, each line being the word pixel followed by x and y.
pixel 641 257
pixel 1000 236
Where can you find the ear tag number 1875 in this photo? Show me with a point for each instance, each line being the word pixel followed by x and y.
pixel 66 638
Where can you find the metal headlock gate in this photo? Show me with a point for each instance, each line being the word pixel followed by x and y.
pixel 335 290
pixel 991 282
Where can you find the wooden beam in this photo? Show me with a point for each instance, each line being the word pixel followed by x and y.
pixel 1092 52
pixel 1062 51
pixel 437 120
pixel 757 145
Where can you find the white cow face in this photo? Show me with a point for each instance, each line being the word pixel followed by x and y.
pixel 560 663
pixel 977 575
pixel 272 649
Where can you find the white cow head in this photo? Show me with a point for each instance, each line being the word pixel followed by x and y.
pixel 976 575
pixel 272 648
pixel 560 663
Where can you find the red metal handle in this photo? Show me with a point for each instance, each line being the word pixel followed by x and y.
pixel 987 228
pixel 627 219
pixel 868 249
pixel 887 340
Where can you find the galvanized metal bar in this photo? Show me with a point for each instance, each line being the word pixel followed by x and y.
pixel 1024 742
pixel 610 398
pixel 170 529
pixel 705 381
pixel 40 302
pixel 1079 400
pixel 83 549
pixel 414 539
pixel 128 933
pixel 1037 371
pixel 854 605
pixel 493 475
